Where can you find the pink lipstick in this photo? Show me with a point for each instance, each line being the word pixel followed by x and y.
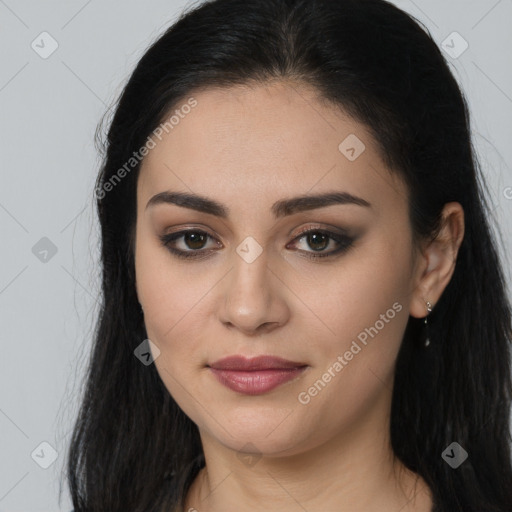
pixel 256 375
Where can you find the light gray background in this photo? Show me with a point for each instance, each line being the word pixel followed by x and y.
pixel 49 111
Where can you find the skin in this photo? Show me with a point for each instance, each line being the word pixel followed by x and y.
pixel 248 147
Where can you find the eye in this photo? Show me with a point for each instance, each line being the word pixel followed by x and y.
pixel 194 241
pixel 320 239
pixel 192 238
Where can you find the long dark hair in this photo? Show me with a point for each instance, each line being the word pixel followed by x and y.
pixel 132 447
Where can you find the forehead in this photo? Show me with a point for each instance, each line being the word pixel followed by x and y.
pixel 265 142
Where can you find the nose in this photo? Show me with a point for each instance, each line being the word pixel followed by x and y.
pixel 253 297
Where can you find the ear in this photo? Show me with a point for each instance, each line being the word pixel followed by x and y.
pixel 436 263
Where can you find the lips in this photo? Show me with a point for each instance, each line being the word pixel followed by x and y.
pixel 256 363
pixel 257 375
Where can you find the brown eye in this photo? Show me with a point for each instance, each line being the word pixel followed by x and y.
pixel 318 240
pixel 195 239
pixel 193 243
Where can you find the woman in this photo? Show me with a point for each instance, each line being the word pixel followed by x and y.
pixel 303 305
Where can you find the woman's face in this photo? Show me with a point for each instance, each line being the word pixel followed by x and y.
pixel 252 285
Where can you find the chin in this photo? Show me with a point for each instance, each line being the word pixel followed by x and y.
pixel 275 435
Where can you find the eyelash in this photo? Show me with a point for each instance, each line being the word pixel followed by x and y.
pixel 343 241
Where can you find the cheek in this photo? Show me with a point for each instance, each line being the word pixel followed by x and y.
pixel 366 288
pixel 355 355
pixel 169 289
pixel 172 301
pixel 364 311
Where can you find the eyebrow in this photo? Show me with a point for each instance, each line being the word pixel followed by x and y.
pixel 279 209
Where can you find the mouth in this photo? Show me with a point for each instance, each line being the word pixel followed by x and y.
pixel 255 376
pixel 242 363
